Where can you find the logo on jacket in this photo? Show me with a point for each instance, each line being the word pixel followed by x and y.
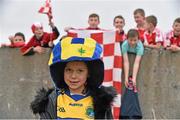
pixel 90 112
pixel 61 109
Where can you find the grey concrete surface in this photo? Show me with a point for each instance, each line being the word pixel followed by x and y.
pixel 20 77
pixel 158 82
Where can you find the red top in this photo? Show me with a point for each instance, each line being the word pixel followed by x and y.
pixel 174 40
pixel 120 37
pixel 141 34
pixel 153 38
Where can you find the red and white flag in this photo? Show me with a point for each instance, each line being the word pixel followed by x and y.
pixel 46 9
pixel 109 40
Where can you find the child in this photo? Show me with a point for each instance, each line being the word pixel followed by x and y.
pixel 173 37
pixel 139 17
pixel 40 39
pixel 119 24
pixel 77 72
pixel 132 45
pixel 18 40
pixel 153 37
pixel 93 21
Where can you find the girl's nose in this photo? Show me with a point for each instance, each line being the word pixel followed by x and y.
pixel 73 74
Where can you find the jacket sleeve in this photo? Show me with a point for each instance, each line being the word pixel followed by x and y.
pixel 44 104
pixel 55 34
pixel 28 48
pixel 50 109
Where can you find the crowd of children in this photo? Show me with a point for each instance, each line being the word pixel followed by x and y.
pixel 149 34
pixel 77 73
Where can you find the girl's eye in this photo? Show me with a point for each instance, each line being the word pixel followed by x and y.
pixel 80 71
pixel 67 70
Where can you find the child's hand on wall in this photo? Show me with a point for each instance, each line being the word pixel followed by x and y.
pixel 39 49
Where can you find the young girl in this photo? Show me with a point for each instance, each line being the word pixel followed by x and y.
pixel 77 72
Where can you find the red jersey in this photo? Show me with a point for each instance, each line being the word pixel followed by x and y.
pixel 120 36
pixel 141 34
pixel 173 40
pixel 153 38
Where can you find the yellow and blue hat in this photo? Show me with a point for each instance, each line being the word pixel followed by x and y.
pixel 77 49
pixel 70 49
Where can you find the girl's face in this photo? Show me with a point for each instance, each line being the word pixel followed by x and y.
pixel 119 24
pixel 176 28
pixel 75 76
pixel 38 32
pixel 133 41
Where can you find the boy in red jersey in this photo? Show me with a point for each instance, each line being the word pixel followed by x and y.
pixel 40 39
pixel 119 24
pixel 16 41
pixel 153 37
pixel 139 17
pixel 172 41
pixel 93 22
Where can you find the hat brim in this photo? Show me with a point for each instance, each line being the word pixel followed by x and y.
pixel 95 68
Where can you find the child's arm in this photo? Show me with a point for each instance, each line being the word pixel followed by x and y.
pixel 136 68
pixel 126 68
pixel 66 29
pixel 55 34
pixel 158 45
pixel 173 48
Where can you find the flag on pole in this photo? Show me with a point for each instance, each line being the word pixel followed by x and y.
pixel 111 56
pixel 46 9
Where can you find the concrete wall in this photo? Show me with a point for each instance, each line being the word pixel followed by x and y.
pixel 159 83
pixel 20 77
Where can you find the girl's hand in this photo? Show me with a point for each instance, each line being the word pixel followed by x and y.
pixel 134 82
pixel 126 83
